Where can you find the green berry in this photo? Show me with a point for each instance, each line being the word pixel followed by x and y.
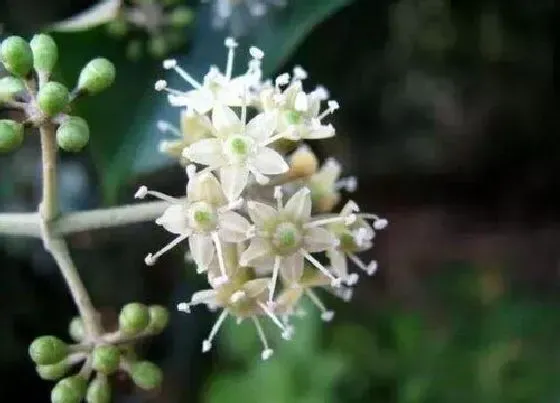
pixel 11 135
pixel 134 318
pixel 16 55
pixel 105 359
pixel 52 98
pixel 159 318
pixel 53 372
pixel 73 134
pixel 9 87
pixel 96 76
pixel 99 391
pixel 146 375
pixel 181 17
pixel 69 390
pixel 46 350
pixel 76 329
pixel 45 52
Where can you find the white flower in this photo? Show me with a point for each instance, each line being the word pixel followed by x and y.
pixel 217 88
pixel 205 218
pixel 239 149
pixel 300 115
pixel 325 185
pixel 240 297
pixel 285 236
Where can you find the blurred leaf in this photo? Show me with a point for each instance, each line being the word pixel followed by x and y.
pixel 135 150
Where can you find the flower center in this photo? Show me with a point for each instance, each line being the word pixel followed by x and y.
pixel 202 216
pixel 238 148
pixel 286 238
pixel 293 117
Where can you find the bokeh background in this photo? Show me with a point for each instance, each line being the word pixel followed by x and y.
pixel 449 119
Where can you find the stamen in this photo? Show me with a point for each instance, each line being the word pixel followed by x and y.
pixel 272 285
pixel 160 85
pixel 152 257
pixel 282 79
pixel 207 344
pixel 224 277
pixel 172 65
pixel 370 269
pixel 335 282
pixel 380 224
pixel 256 53
pixel 321 93
pixel 352 279
pixel 267 351
pixel 237 296
pixel 300 73
pixel 350 184
pixel 347 220
pixel 350 207
pixel 285 331
pixel 326 315
pixel 191 171
pixel 300 103
pixel 231 44
pixel 278 196
pixel 184 307
pixel 141 192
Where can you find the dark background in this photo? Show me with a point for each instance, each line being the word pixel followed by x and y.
pixel 449 119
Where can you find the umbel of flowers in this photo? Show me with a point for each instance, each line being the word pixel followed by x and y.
pixel 258 213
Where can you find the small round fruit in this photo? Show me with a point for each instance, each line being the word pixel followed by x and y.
pixel 73 134
pixel 159 318
pixel 9 87
pixel 146 375
pixel 69 390
pixel 16 55
pixel 53 372
pixel 52 98
pixel 105 359
pixel 76 329
pixel 96 76
pixel 46 350
pixel 134 318
pixel 99 391
pixel 45 52
pixel 11 135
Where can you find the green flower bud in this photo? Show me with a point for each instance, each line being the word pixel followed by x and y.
pixel 181 17
pixel 45 52
pixel 46 350
pixel 73 134
pixel 134 318
pixel 11 135
pixel 76 329
pixel 105 359
pixel 117 27
pixel 157 46
pixel 99 391
pixel 53 372
pixel 159 318
pixel 69 390
pixel 96 76
pixel 52 98
pixel 9 87
pixel 16 55
pixel 146 375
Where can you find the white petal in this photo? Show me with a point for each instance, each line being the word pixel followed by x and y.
pixel 339 265
pixel 261 126
pixel 269 162
pixel 205 187
pixel 224 117
pixel 233 226
pixel 317 132
pixel 234 178
pixel 299 205
pixel 174 219
pixel 260 213
pixel 258 249
pixel 206 152
pixel 317 239
pixel 253 288
pixel 204 297
pixel 201 100
pixel 292 267
pixel 300 103
pixel 202 250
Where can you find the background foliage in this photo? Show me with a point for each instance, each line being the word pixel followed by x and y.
pixel 448 119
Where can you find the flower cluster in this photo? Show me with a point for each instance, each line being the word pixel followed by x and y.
pixel 258 215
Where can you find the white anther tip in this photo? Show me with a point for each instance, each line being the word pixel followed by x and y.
pixel 141 192
pixel 219 281
pixel 169 64
pixel 352 279
pixel 283 79
pixel 150 260
pixel 206 346
pixel 372 268
pixel 300 73
pixel 266 354
pixel 380 224
pixel 288 333
pixel 327 316
pixel 230 42
pixel 351 219
pixel 183 307
pixel 256 52
pixel 160 85
pixel 333 105
pixel 336 282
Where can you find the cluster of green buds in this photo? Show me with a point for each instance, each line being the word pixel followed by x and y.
pixel 44 102
pixel 100 357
